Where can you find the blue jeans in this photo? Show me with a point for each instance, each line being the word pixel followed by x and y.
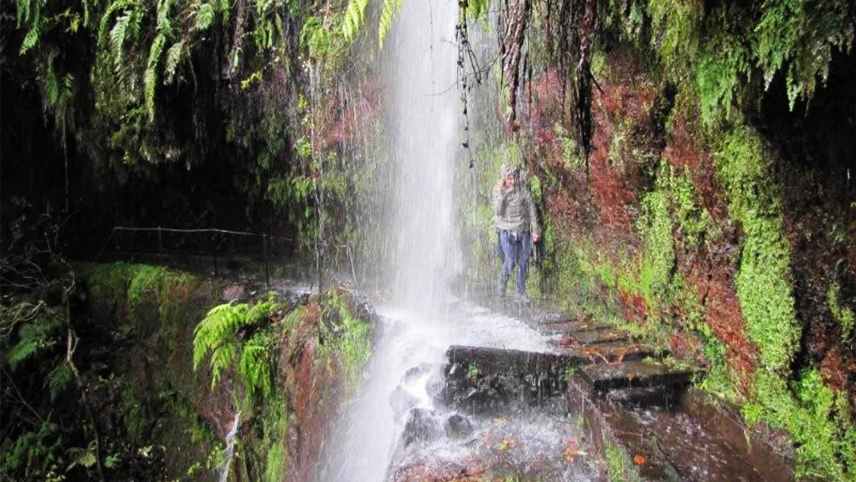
pixel 516 248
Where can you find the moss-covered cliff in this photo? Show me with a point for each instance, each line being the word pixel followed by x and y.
pixel 164 381
pixel 709 203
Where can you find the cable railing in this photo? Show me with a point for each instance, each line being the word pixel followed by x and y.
pixel 218 245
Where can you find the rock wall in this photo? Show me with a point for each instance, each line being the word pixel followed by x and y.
pixel 168 400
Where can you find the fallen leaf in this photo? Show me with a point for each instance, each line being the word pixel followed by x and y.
pixel 572 451
pixel 639 459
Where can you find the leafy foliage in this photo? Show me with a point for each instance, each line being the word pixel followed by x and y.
pixel 218 335
pixel 840 313
pixel 354 18
pixel 763 282
pixel 390 8
pixel 817 417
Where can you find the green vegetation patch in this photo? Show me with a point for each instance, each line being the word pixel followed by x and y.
pixel 763 282
pixel 840 313
pixel 619 466
pixel 350 337
pixel 222 338
pixel 818 418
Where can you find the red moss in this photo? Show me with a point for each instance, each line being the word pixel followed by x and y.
pixel 684 346
pixel 634 307
pixel 723 314
pixel 684 151
pixel 313 396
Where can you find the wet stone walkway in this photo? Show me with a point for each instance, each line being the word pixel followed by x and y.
pixel 637 409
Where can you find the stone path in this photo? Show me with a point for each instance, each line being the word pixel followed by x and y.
pixel 630 400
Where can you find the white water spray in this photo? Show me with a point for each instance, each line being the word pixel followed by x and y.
pixel 424 120
pixel 230 447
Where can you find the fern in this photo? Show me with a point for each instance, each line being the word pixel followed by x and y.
pixel 255 365
pixel 173 58
pixel 216 329
pixel 475 8
pixel 58 379
pixel 35 337
pixel 354 18
pixel 225 9
pixel 104 24
pixel 164 25
pixel 204 17
pixel 150 76
pixel 390 9
pixel 29 13
pixel 117 36
pixel 217 335
pixel 23 12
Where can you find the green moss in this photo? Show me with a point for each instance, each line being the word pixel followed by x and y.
pixel 107 281
pixel 352 342
pixel 619 467
pixel 817 418
pixel 718 74
pixel 694 221
pixel 841 314
pixel 764 280
pixel 658 258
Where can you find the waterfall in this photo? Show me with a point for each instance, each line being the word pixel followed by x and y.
pixel 231 437
pixel 423 122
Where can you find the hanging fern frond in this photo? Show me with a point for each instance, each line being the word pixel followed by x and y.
pixel 58 379
pixel 31 39
pixel 23 12
pixel 255 364
pixel 173 58
pixel 117 37
pixel 475 8
pixel 205 16
pixel 390 9
pixel 29 12
pixel 216 329
pixel 217 335
pixel 37 336
pixel 104 24
pixel 164 22
pixel 225 9
pixel 150 77
pixel 354 18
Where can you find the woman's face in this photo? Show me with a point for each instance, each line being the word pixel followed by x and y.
pixel 510 180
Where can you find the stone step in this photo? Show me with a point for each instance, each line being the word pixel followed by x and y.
pixel 487 379
pixel 659 396
pixel 606 377
pixel 571 327
pixel 599 336
pixel 616 352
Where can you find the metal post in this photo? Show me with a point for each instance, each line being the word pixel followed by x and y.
pixel 267 263
pixel 214 250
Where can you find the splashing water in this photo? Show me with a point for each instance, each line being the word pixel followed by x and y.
pixel 424 124
pixel 230 447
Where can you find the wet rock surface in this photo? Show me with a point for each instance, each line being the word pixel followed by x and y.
pixel 613 388
pixel 488 380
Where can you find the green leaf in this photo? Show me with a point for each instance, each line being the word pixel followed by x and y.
pixel 204 17
pixel 173 57
pixel 31 39
pixel 390 9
